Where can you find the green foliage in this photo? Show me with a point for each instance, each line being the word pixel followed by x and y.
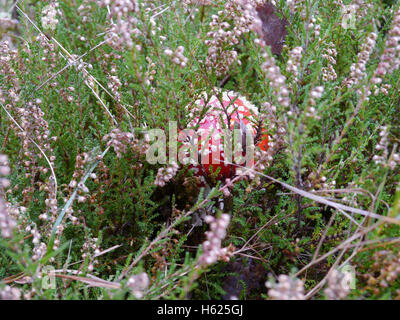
pixel 154 229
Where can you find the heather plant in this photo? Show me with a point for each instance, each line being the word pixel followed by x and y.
pixel 87 86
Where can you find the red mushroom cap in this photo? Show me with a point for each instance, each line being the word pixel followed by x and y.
pixel 227 106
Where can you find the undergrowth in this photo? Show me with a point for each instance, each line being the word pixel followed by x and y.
pixel 85 215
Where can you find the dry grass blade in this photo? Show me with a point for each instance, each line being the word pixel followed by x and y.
pixel 84 70
pixel 322 200
pixel 91 282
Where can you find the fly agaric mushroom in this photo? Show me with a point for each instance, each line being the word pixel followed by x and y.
pixel 222 113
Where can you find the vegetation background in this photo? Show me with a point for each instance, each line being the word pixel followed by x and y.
pixel 83 215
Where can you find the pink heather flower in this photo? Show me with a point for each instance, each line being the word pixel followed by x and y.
pixel 166 174
pixel 293 63
pixel 7 222
pixel 224 35
pixel 10 293
pixel 390 59
pixel 49 16
pixel 276 79
pixel 212 250
pixel 121 32
pixel 177 56
pixel 287 288
pixel 336 289
pixel 124 141
pixel 138 284
pixel 358 69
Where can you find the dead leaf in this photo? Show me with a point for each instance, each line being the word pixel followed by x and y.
pixel 273 28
